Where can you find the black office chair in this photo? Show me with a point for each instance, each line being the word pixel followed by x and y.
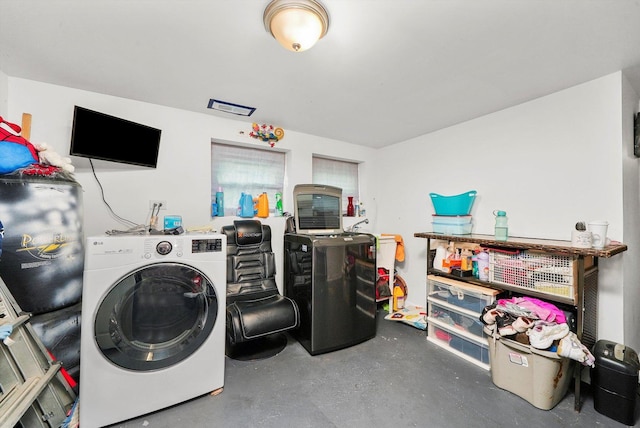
pixel 257 314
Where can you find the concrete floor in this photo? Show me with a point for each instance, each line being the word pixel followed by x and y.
pixel 396 379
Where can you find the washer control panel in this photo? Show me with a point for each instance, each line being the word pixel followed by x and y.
pixel 164 247
pixel 206 245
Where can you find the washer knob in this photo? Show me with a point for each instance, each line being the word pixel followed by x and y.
pixel 164 247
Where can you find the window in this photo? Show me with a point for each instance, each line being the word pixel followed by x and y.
pixel 240 170
pixel 337 173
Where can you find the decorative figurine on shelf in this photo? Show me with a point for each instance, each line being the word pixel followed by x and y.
pixel 267 133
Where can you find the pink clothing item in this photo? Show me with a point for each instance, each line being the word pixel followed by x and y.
pixel 543 310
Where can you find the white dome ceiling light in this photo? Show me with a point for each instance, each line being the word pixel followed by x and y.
pixel 296 24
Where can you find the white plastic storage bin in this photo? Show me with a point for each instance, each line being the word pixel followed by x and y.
pixel 540 377
pixel 452 229
pixel 458 220
pixel 452 224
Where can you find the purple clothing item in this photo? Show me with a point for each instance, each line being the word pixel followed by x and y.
pixel 543 310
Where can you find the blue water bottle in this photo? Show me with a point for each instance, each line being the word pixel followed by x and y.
pixel 220 202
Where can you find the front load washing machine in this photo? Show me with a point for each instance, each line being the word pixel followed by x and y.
pixel 153 323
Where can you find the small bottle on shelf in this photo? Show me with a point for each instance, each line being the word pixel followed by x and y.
pixel 350 207
pixel 441 255
pixel 466 264
pixel 398 298
pixel 483 265
pixel 502 229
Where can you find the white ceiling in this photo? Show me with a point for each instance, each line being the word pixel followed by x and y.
pixel 387 71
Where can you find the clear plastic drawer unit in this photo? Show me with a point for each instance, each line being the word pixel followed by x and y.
pixel 454 309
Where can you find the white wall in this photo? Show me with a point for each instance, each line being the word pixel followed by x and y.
pixel 548 163
pixel 183 175
pixel 4 96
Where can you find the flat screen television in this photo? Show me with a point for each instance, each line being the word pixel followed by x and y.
pixel 317 209
pixel 101 136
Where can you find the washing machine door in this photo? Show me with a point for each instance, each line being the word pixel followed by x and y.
pixel 156 316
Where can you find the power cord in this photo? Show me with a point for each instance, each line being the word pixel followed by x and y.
pixel 133 227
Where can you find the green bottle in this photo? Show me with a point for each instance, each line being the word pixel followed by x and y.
pixel 279 211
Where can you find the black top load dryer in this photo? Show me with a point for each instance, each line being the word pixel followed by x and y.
pixel 329 273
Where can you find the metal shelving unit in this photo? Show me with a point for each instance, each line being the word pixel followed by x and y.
pixel 585 292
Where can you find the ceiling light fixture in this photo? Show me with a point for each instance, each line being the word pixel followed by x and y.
pixel 296 24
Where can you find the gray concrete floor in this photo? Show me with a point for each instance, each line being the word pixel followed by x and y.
pixel 395 379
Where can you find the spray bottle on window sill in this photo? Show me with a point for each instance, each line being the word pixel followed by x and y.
pixel 246 206
pixel 219 210
pixel 279 210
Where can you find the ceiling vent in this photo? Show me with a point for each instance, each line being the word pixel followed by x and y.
pixel 230 108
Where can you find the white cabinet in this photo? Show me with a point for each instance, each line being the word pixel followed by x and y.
pixel 386 260
pixel 454 309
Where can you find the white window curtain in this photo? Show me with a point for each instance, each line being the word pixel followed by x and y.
pixel 247 170
pixel 337 173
